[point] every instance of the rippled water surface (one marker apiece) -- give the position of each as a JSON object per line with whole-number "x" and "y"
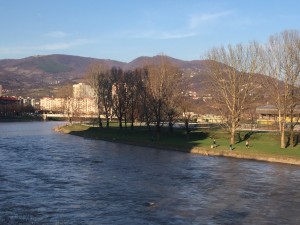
{"x": 52, "y": 178}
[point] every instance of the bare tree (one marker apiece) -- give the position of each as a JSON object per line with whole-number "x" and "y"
{"x": 76, "y": 105}
{"x": 66, "y": 92}
{"x": 186, "y": 106}
{"x": 293, "y": 113}
{"x": 282, "y": 57}
{"x": 232, "y": 70}
{"x": 134, "y": 89}
{"x": 173, "y": 94}
{"x": 161, "y": 86}
{"x": 145, "y": 112}
{"x": 105, "y": 81}
{"x": 119, "y": 94}
{"x": 96, "y": 77}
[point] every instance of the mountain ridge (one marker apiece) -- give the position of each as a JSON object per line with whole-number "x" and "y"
{"x": 49, "y": 71}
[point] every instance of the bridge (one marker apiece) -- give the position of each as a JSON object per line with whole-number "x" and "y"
{"x": 61, "y": 115}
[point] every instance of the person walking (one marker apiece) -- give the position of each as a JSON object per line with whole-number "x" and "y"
{"x": 214, "y": 143}
{"x": 247, "y": 144}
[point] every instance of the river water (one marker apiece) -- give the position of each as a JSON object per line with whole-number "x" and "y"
{"x": 52, "y": 178}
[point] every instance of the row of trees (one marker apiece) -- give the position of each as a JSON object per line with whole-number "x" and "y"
{"x": 233, "y": 73}
{"x": 149, "y": 94}
{"x": 153, "y": 93}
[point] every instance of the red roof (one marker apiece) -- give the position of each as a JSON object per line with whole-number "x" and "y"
{"x": 9, "y": 98}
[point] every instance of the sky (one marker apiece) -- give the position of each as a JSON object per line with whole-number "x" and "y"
{"x": 126, "y": 29}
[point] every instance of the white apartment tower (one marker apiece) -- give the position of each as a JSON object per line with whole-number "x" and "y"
{"x": 82, "y": 90}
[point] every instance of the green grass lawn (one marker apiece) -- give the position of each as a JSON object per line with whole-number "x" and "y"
{"x": 261, "y": 143}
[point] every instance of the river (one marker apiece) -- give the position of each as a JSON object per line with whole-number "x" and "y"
{"x": 52, "y": 178}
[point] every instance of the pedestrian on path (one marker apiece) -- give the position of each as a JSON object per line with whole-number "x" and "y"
{"x": 214, "y": 143}
{"x": 247, "y": 144}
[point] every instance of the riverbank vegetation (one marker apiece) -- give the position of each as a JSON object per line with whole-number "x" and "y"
{"x": 262, "y": 145}
{"x": 237, "y": 77}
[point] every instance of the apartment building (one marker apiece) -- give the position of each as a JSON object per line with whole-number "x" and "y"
{"x": 52, "y": 104}
{"x": 82, "y": 90}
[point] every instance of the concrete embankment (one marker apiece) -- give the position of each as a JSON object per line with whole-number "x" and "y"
{"x": 234, "y": 154}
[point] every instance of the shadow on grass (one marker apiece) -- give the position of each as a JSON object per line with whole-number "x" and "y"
{"x": 176, "y": 140}
{"x": 197, "y": 141}
{"x": 246, "y": 135}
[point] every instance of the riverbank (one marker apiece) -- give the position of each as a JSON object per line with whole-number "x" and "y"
{"x": 248, "y": 156}
{"x": 26, "y": 118}
{"x": 264, "y": 146}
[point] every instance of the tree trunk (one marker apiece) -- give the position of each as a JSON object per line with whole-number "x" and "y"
{"x": 100, "y": 121}
{"x": 158, "y": 119}
{"x": 132, "y": 118}
{"x": 292, "y": 129}
{"x": 158, "y": 130}
{"x": 120, "y": 123}
{"x": 171, "y": 127}
{"x": 70, "y": 120}
{"x": 232, "y": 134}
{"x": 187, "y": 129}
{"x": 239, "y": 137}
{"x": 148, "y": 125}
{"x": 132, "y": 123}
{"x": 292, "y": 137}
{"x": 279, "y": 121}
{"x": 281, "y": 129}
{"x": 282, "y": 139}
{"x": 158, "y": 126}
{"x": 125, "y": 120}
{"x": 107, "y": 121}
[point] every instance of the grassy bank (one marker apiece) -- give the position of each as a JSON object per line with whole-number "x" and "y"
{"x": 263, "y": 145}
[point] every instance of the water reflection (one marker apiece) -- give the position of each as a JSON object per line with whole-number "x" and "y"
{"x": 50, "y": 178}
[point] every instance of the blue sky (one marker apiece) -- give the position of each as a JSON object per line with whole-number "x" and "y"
{"x": 125, "y": 29}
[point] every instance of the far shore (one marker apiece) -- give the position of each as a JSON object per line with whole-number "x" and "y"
{"x": 19, "y": 119}
{"x": 286, "y": 156}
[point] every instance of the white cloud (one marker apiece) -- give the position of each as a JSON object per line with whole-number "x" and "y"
{"x": 46, "y": 47}
{"x": 188, "y": 31}
{"x": 62, "y": 45}
{"x": 197, "y": 20}
{"x": 152, "y": 34}
{"x": 56, "y": 34}
{"x": 11, "y": 51}
{"x": 173, "y": 35}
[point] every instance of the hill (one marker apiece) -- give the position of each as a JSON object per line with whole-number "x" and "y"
{"x": 39, "y": 73}
{"x": 38, "y": 76}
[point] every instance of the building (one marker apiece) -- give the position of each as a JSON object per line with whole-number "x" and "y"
{"x": 9, "y": 100}
{"x": 52, "y": 104}
{"x": 82, "y": 90}
{"x": 211, "y": 118}
{"x": 27, "y": 101}
{"x": 85, "y": 106}
{"x": 83, "y": 102}
{"x": 268, "y": 114}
